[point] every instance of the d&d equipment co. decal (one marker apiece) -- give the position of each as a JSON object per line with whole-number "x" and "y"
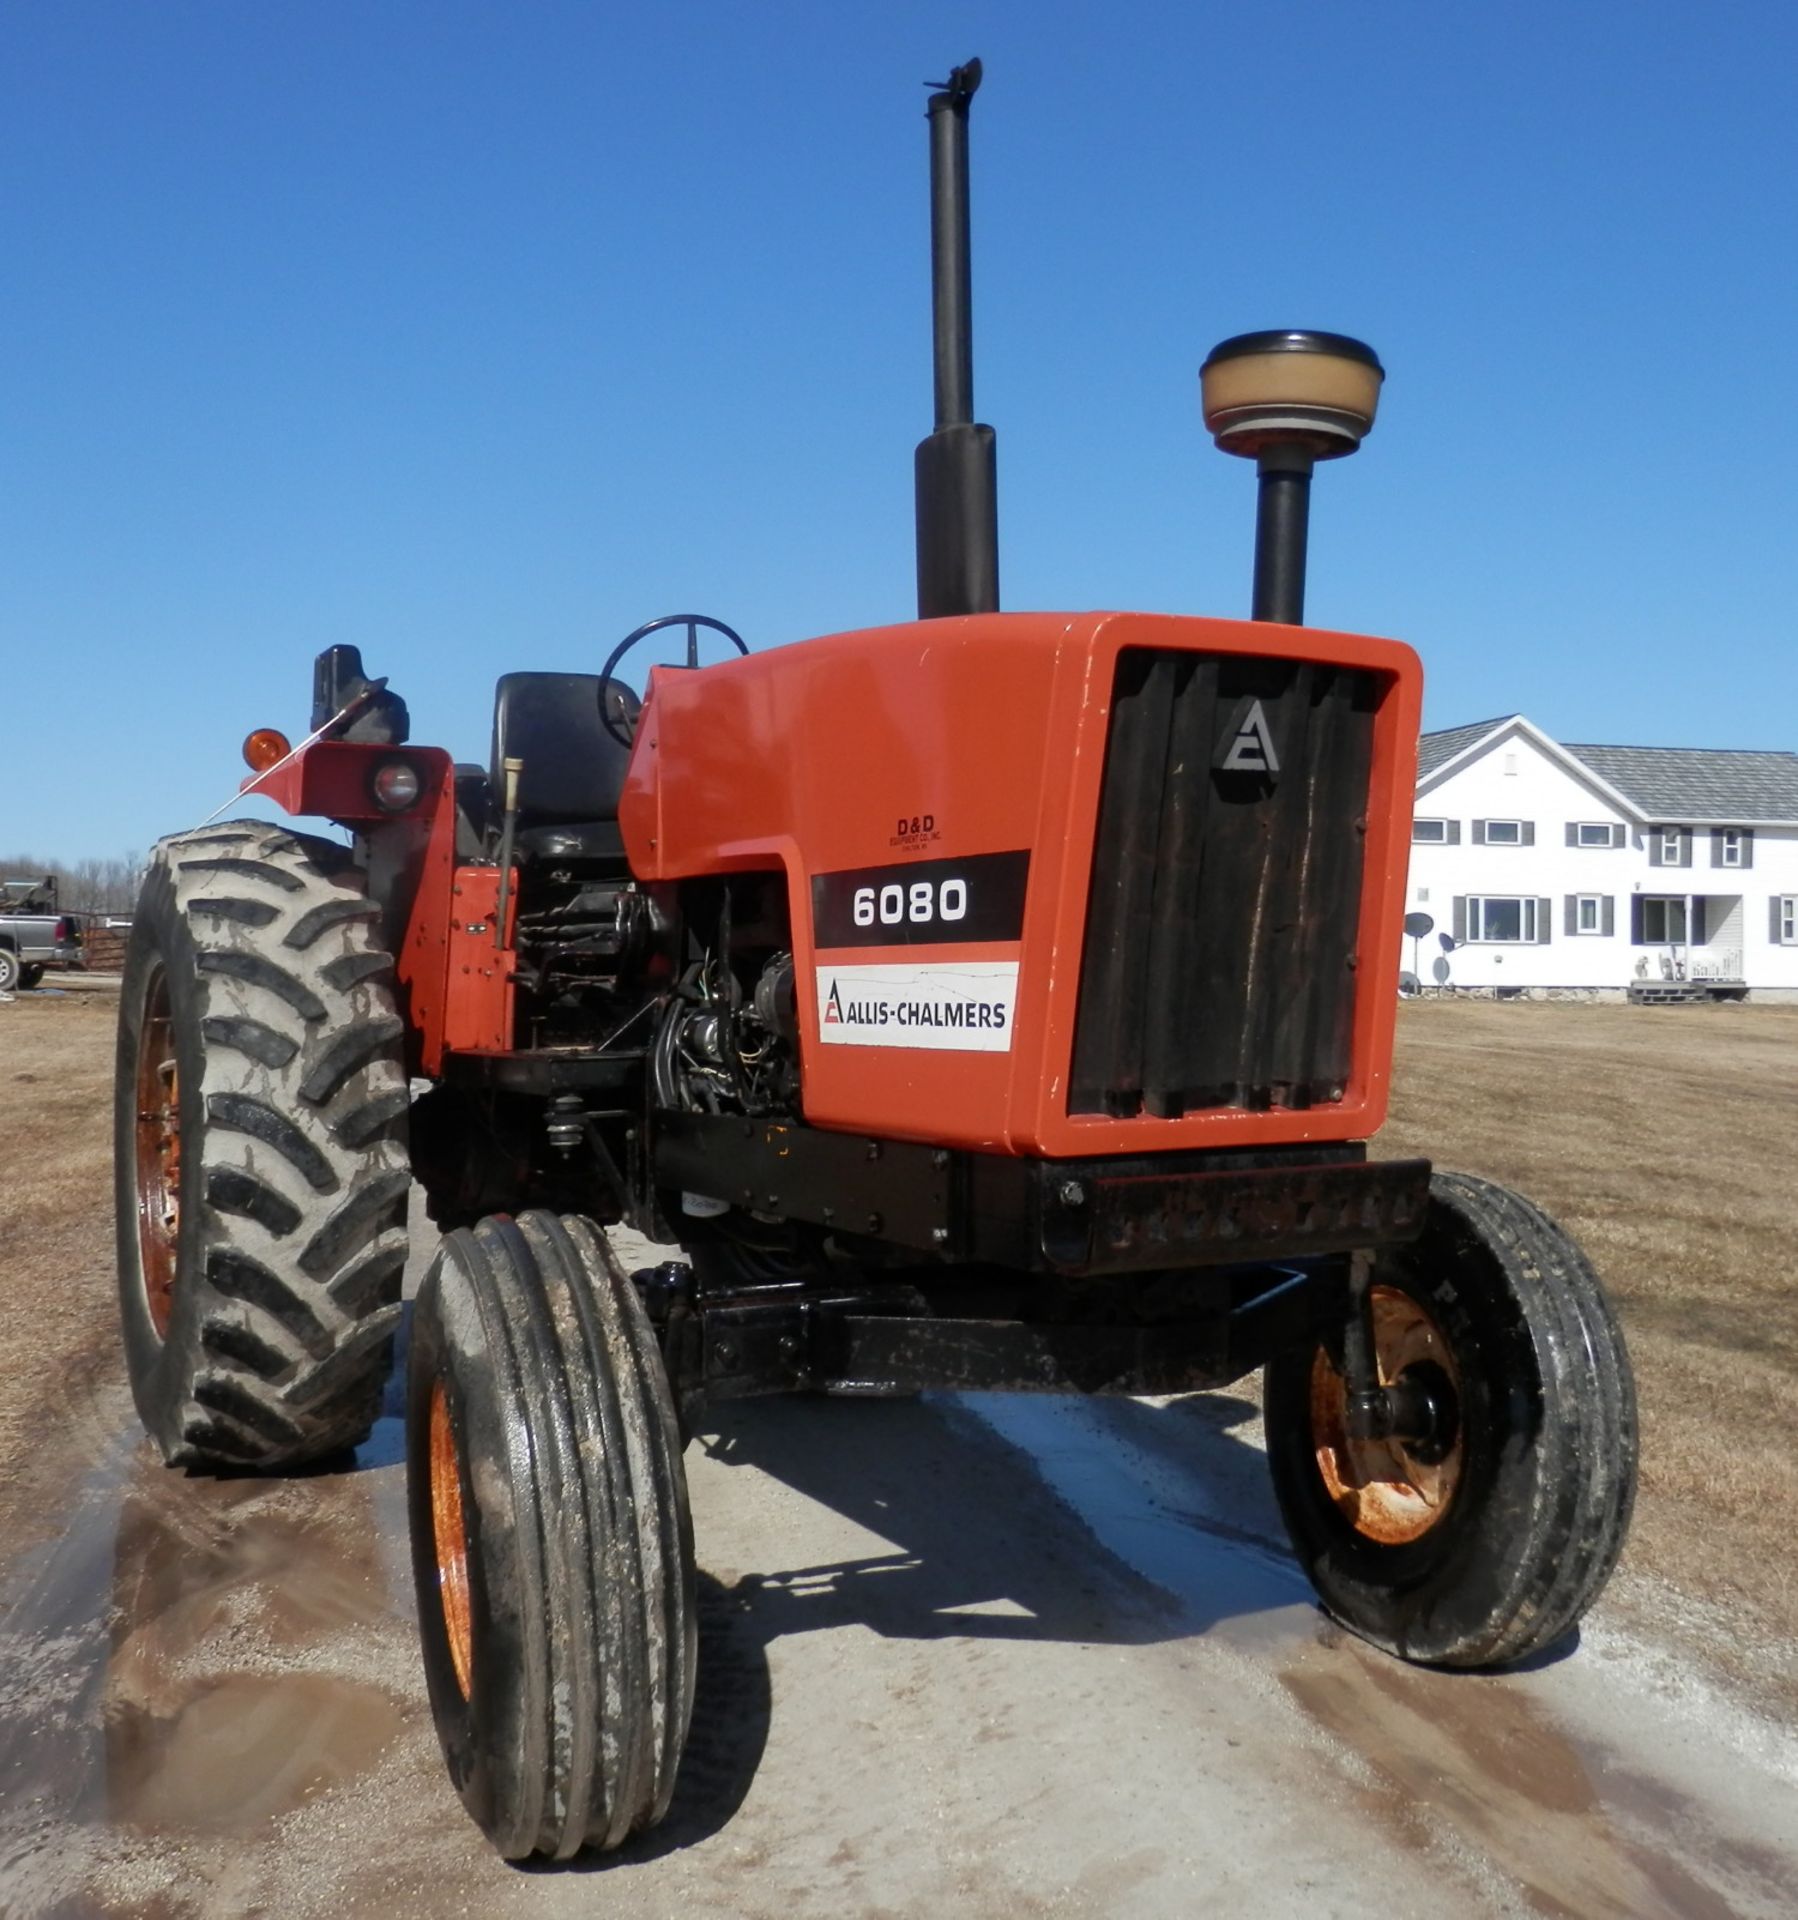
{"x": 947, "y": 1006}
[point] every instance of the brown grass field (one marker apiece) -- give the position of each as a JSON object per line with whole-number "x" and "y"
{"x": 1666, "y": 1140}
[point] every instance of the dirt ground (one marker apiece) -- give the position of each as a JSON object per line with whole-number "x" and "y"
{"x": 1107, "y": 1695}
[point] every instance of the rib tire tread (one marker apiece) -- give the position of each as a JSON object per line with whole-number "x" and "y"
{"x": 582, "y": 1700}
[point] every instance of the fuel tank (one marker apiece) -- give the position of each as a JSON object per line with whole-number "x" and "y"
{"x": 1062, "y": 884}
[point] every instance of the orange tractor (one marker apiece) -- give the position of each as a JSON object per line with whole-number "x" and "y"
{"x": 997, "y": 1000}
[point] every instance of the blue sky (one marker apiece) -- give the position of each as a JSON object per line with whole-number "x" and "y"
{"x": 476, "y": 334}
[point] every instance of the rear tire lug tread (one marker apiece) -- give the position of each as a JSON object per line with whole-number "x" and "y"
{"x": 303, "y": 1198}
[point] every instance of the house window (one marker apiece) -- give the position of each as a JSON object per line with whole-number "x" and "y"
{"x": 1673, "y": 846}
{"x": 1429, "y": 833}
{"x": 1594, "y": 834}
{"x": 1663, "y": 923}
{"x": 1587, "y": 911}
{"x": 1785, "y": 919}
{"x": 1494, "y": 922}
{"x": 1504, "y": 833}
{"x": 1731, "y": 843}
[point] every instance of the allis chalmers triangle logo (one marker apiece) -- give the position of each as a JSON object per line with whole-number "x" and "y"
{"x": 1251, "y": 746}
{"x": 833, "y": 1007}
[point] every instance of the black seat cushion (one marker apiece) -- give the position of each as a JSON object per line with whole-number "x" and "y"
{"x": 573, "y": 766}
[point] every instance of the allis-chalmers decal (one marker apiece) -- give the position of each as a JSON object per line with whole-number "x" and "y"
{"x": 948, "y": 1006}
{"x": 924, "y": 903}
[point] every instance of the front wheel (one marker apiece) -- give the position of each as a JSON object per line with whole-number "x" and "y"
{"x": 1486, "y": 1532}
{"x": 551, "y": 1543}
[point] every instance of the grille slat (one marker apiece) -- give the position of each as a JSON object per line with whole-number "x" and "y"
{"x": 1221, "y": 923}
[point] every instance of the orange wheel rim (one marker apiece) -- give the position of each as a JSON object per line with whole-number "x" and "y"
{"x": 158, "y": 1153}
{"x": 451, "y": 1539}
{"x": 1383, "y": 1488}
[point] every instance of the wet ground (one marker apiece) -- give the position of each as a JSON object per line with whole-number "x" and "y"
{"x": 958, "y": 1656}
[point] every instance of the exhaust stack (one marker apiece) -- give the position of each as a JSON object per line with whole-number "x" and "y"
{"x": 956, "y": 467}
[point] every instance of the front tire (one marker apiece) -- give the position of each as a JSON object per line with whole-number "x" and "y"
{"x": 551, "y": 1542}
{"x": 1488, "y": 1539}
{"x": 9, "y": 970}
{"x": 260, "y": 1168}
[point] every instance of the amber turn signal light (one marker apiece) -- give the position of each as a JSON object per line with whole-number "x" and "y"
{"x": 265, "y": 748}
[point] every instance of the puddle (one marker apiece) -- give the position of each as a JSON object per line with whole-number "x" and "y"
{"x": 191, "y": 1657}
{"x": 240, "y": 1749}
{"x": 1476, "y": 1756}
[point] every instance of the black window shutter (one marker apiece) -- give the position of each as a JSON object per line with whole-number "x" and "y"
{"x": 1607, "y": 913}
{"x": 1573, "y": 833}
{"x": 1454, "y": 833}
{"x": 1570, "y": 916}
{"x": 1747, "y": 846}
{"x": 1656, "y": 847}
{"x": 1617, "y": 834}
{"x": 1685, "y": 846}
{"x": 1479, "y": 833}
{"x": 1635, "y": 921}
{"x": 1716, "y": 846}
{"x": 1544, "y": 922}
{"x": 1695, "y": 932}
{"x": 1529, "y": 833}
{"x": 1773, "y": 928}
{"x": 1461, "y": 917}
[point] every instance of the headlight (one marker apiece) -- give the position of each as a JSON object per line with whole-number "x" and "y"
{"x": 396, "y": 786}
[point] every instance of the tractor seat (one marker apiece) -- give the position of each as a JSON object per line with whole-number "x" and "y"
{"x": 573, "y": 766}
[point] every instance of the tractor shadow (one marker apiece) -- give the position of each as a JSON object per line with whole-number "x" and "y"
{"x": 966, "y": 1541}
{"x": 1105, "y": 1522}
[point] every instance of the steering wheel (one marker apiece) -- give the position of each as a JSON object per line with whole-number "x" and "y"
{"x": 692, "y": 622}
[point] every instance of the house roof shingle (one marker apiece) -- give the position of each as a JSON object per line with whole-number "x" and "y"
{"x": 1663, "y": 783}
{"x": 1699, "y": 783}
{"x": 1436, "y": 749}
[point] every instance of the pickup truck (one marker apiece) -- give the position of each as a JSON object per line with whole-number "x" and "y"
{"x": 34, "y": 934}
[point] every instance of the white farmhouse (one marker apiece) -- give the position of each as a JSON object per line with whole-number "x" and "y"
{"x": 1660, "y": 870}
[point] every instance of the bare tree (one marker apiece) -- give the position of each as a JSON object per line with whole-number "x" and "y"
{"x": 91, "y": 886}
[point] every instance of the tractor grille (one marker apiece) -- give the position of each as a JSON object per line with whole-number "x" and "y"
{"x": 1218, "y": 967}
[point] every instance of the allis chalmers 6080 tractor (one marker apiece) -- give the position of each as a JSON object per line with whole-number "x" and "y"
{"x": 996, "y": 1000}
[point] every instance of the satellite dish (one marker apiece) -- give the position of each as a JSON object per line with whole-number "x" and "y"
{"x": 1448, "y": 942}
{"x": 1418, "y": 924}
{"x": 1407, "y": 983}
{"x": 1440, "y": 970}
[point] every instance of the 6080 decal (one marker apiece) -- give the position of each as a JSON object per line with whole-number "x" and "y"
{"x": 922, "y": 903}
{"x": 918, "y": 904}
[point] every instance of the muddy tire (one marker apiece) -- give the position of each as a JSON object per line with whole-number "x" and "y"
{"x": 1486, "y": 1540}
{"x": 260, "y": 1168}
{"x": 551, "y": 1541}
{"x": 30, "y": 974}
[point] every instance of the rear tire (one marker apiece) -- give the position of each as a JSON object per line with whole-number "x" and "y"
{"x": 1490, "y": 1542}
{"x": 551, "y": 1542}
{"x": 30, "y": 974}
{"x": 260, "y": 1168}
